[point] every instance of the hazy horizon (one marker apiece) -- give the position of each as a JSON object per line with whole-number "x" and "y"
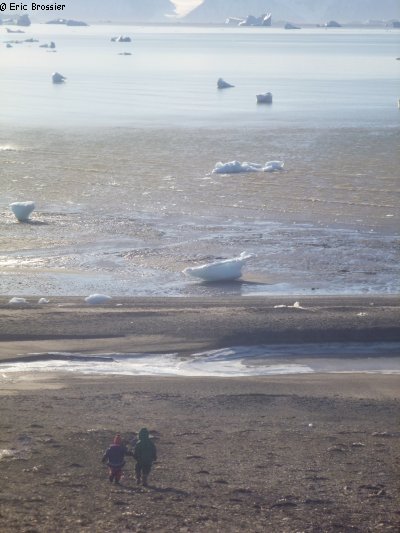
{"x": 217, "y": 11}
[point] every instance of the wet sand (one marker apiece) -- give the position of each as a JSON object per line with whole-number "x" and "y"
{"x": 314, "y": 453}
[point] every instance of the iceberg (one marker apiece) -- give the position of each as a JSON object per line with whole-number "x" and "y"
{"x": 51, "y": 45}
{"x": 121, "y": 39}
{"x": 71, "y": 22}
{"x": 290, "y": 26}
{"x": 222, "y": 84}
{"x": 23, "y": 20}
{"x": 271, "y": 166}
{"x": 22, "y": 210}
{"x": 235, "y": 167}
{"x": 58, "y": 78}
{"x": 225, "y": 270}
{"x": 332, "y": 24}
{"x": 95, "y": 299}
{"x": 265, "y": 98}
{"x": 262, "y": 20}
{"x": 18, "y": 301}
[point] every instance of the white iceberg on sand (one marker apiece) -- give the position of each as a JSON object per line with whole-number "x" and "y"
{"x": 235, "y": 167}
{"x": 18, "y": 301}
{"x": 22, "y": 210}
{"x": 265, "y": 98}
{"x": 95, "y": 299}
{"x": 225, "y": 270}
{"x": 56, "y": 77}
{"x": 222, "y": 84}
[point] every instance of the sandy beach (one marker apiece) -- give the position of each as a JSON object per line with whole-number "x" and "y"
{"x": 314, "y": 453}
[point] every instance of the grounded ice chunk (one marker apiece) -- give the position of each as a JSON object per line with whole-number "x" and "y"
{"x": 22, "y": 210}
{"x": 234, "y": 167}
{"x": 228, "y": 269}
{"x": 94, "y": 299}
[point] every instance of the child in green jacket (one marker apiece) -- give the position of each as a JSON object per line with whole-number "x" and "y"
{"x": 145, "y": 454}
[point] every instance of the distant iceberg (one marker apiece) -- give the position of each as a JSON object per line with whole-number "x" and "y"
{"x": 23, "y": 20}
{"x": 71, "y": 22}
{"x": 289, "y": 26}
{"x": 265, "y": 98}
{"x": 225, "y": 270}
{"x": 22, "y": 210}
{"x": 121, "y": 39}
{"x": 51, "y": 45}
{"x": 58, "y": 78}
{"x": 222, "y": 84}
{"x": 251, "y": 20}
{"x": 235, "y": 167}
{"x": 67, "y": 22}
{"x": 333, "y": 24}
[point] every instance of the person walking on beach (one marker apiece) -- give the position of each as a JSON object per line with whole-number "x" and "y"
{"x": 115, "y": 457}
{"x": 145, "y": 454}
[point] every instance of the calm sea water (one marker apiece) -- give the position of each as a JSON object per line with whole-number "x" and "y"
{"x": 118, "y": 160}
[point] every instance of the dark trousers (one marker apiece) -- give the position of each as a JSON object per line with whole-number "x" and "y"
{"x": 142, "y": 470}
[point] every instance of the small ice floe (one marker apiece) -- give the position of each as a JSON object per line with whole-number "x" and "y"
{"x": 121, "y": 39}
{"x": 8, "y": 45}
{"x": 43, "y": 301}
{"x": 271, "y": 166}
{"x": 222, "y": 84}
{"x": 296, "y": 305}
{"x": 56, "y": 77}
{"x": 234, "y": 167}
{"x": 265, "y": 98}
{"x": 95, "y": 299}
{"x": 18, "y": 301}
{"x": 8, "y": 30}
{"x": 225, "y": 270}
{"x": 22, "y": 210}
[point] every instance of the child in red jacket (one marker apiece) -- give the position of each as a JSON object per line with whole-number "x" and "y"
{"x": 115, "y": 457}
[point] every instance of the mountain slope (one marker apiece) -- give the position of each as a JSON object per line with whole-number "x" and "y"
{"x": 317, "y": 11}
{"x": 117, "y": 10}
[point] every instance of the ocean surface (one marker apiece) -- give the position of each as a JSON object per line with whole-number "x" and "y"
{"x": 119, "y": 160}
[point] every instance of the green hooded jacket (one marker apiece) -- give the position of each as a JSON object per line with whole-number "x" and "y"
{"x": 145, "y": 450}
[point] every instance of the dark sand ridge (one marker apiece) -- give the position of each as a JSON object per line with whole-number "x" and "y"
{"x": 186, "y": 325}
{"x": 314, "y": 453}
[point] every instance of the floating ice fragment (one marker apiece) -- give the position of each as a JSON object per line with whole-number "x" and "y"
{"x": 265, "y": 98}
{"x": 43, "y": 301}
{"x": 18, "y": 301}
{"x": 222, "y": 84}
{"x": 290, "y": 26}
{"x": 58, "y": 78}
{"x": 225, "y": 270}
{"x": 94, "y": 299}
{"x": 235, "y": 167}
{"x": 121, "y": 39}
{"x": 271, "y": 166}
{"x": 22, "y": 210}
